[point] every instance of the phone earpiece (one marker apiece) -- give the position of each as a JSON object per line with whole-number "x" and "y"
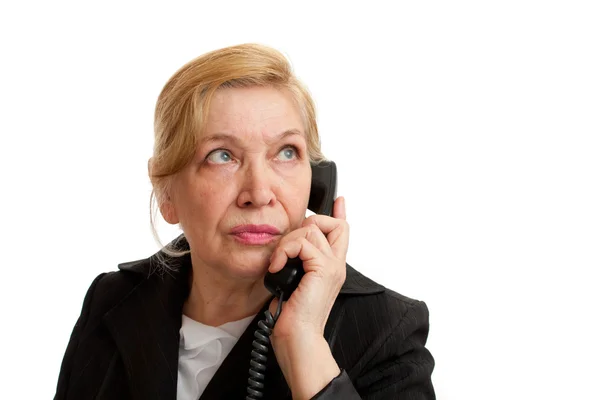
{"x": 323, "y": 189}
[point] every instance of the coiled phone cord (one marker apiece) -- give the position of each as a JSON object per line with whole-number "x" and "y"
{"x": 258, "y": 363}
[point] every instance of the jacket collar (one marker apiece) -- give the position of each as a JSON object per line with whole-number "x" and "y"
{"x": 146, "y": 323}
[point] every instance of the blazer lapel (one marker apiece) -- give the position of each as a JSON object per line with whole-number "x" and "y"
{"x": 145, "y": 327}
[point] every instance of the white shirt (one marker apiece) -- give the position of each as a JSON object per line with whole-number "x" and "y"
{"x": 202, "y": 349}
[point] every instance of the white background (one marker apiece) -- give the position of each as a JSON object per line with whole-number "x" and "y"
{"x": 466, "y": 135}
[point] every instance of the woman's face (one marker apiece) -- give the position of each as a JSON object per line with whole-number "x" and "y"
{"x": 251, "y": 167}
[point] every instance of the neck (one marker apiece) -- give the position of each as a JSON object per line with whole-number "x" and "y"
{"x": 216, "y": 299}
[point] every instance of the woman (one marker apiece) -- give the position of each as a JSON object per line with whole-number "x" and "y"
{"x": 235, "y": 136}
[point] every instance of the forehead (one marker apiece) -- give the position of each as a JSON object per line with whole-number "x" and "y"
{"x": 264, "y": 111}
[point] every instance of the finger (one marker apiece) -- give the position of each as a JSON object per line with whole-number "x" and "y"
{"x": 300, "y": 247}
{"x": 336, "y": 230}
{"x": 339, "y": 208}
{"x": 310, "y": 232}
{"x": 325, "y": 223}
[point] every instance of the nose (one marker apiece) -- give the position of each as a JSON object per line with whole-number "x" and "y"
{"x": 257, "y": 186}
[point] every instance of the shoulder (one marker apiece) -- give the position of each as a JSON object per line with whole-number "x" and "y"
{"x": 142, "y": 277}
{"x": 384, "y": 312}
{"x": 376, "y": 320}
{"x": 108, "y": 289}
{"x": 359, "y": 289}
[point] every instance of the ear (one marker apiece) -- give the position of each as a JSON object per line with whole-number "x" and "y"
{"x": 168, "y": 211}
{"x": 165, "y": 204}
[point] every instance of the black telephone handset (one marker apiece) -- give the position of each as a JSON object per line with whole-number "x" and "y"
{"x": 282, "y": 284}
{"x": 323, "y": 191}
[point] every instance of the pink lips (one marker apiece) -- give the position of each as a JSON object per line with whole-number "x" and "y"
{"x": 255, "y": 234}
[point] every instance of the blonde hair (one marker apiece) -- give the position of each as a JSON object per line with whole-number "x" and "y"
{"x": 183, "y": 104}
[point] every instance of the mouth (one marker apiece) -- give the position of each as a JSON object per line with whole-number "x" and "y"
{"x": 255, "y": 234}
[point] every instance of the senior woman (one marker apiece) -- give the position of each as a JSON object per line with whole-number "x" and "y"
{"x": 235, "y": 137}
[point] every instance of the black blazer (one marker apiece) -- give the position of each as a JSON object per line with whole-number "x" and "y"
{"x": 125, "y": 344}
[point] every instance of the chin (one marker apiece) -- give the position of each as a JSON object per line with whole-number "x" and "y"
{"x": 253, "y": 265}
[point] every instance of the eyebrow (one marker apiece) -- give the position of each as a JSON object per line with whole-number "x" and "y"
{"x": 237, "y": 141}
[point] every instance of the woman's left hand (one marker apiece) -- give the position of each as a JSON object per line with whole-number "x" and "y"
{"x": 322, "y": 244}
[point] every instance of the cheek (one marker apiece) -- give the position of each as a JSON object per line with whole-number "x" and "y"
{"x": 297, "y": 199}
{"x": 202, "y": 204}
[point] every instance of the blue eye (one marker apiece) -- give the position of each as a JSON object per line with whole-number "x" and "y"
{"x": 289, "y": 153}
{"x": 219, "y": 156}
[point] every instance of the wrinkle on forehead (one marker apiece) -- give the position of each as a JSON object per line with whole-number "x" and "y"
{"x": 253, "y": 114}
